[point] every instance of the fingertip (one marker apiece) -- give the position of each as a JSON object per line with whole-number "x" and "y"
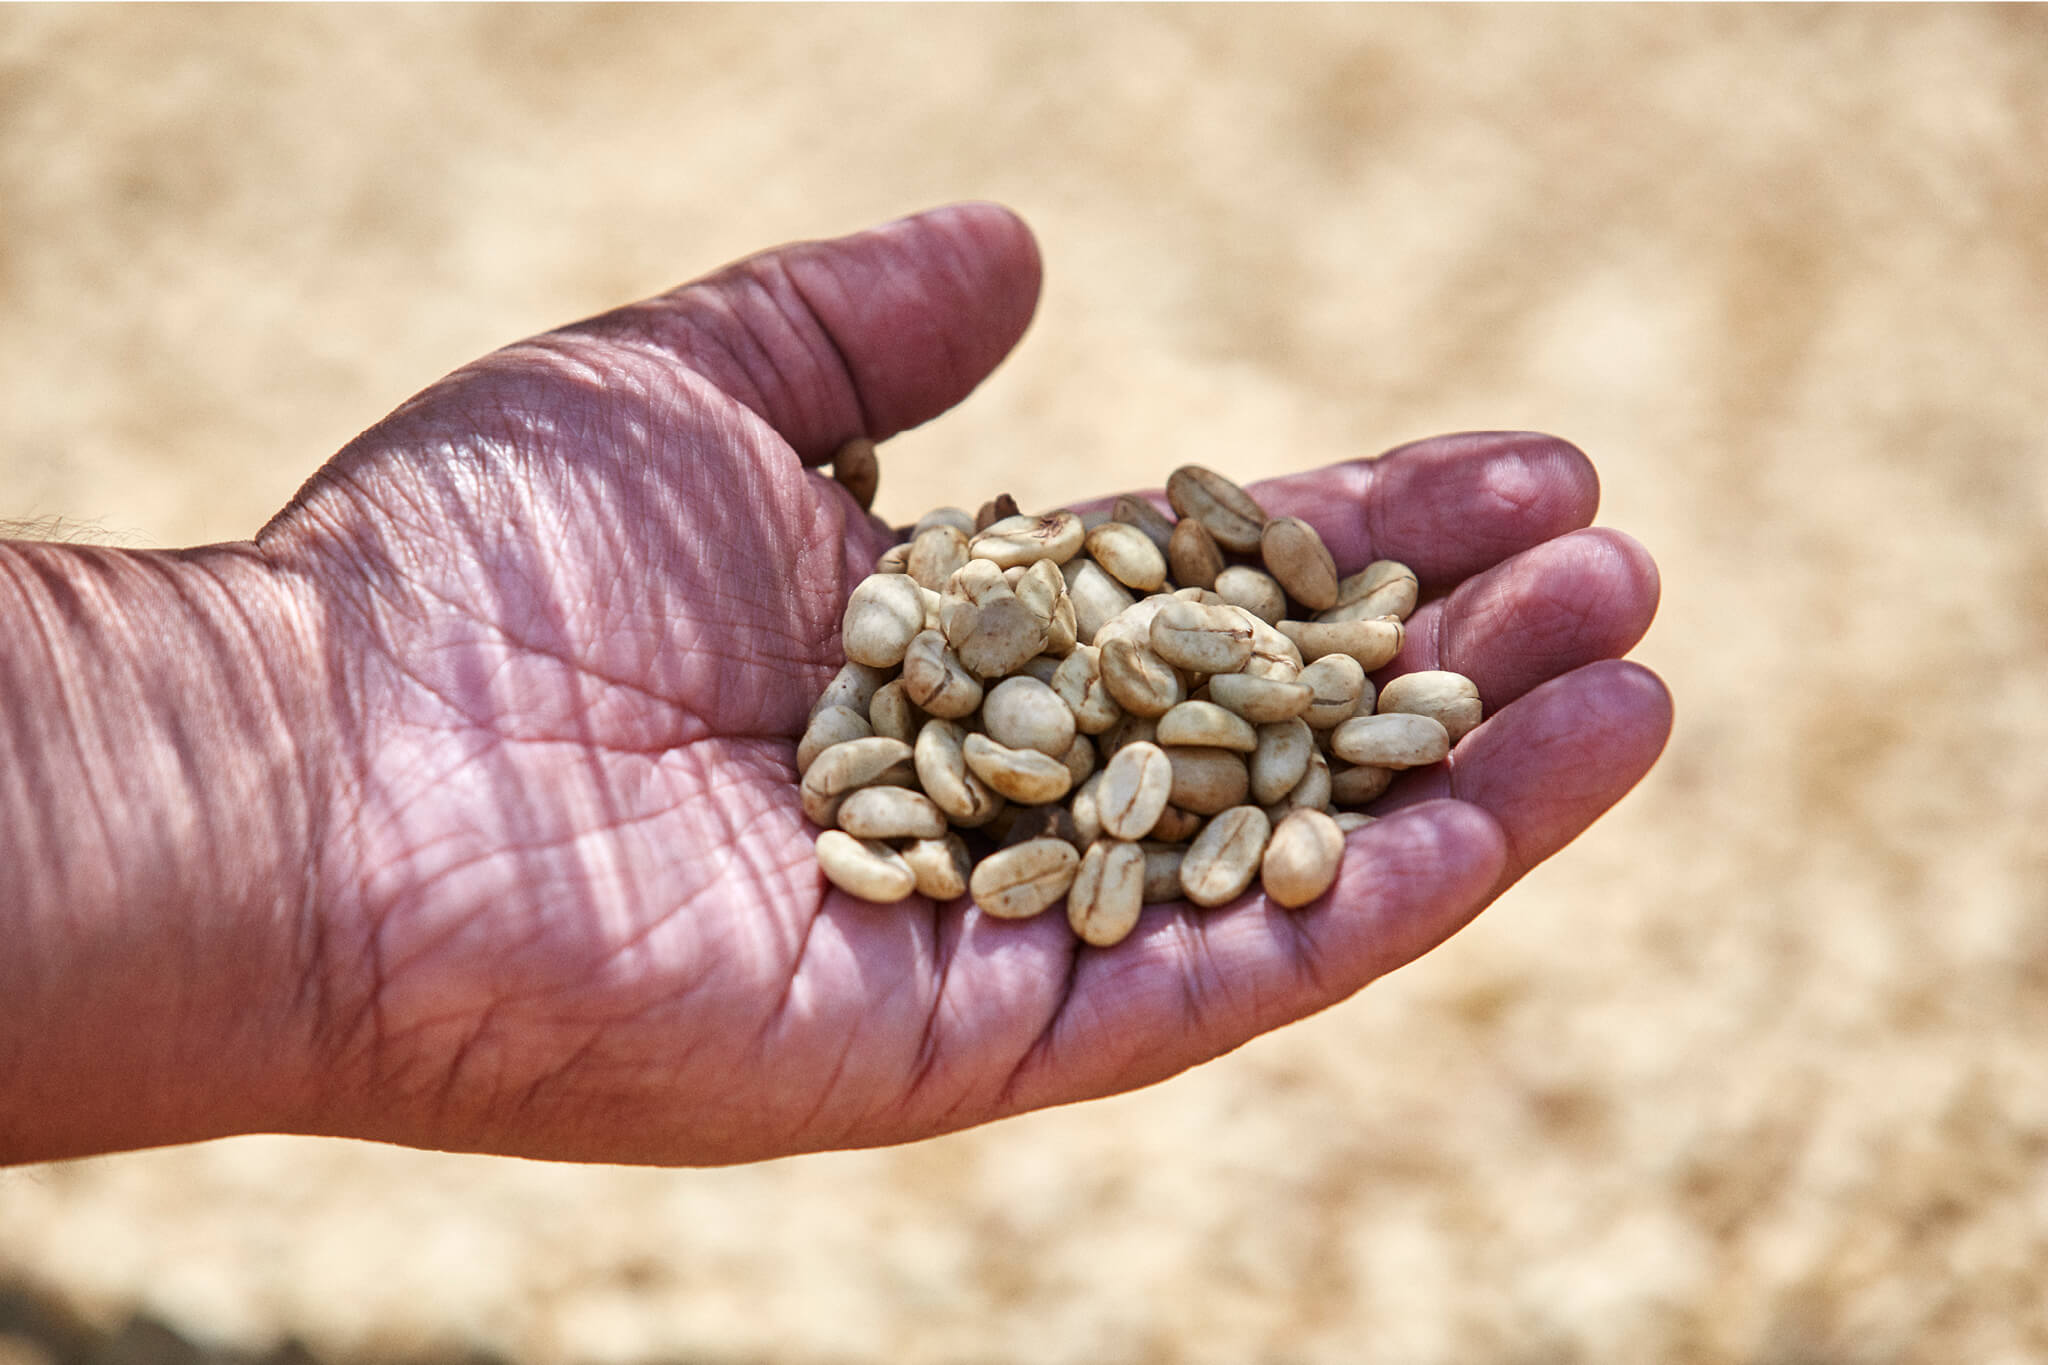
{"x": 1448, "y": 506}
{"x": 867, "y": 334}
{"x": 1472, "y": 500}
{"x": 1552, "y": 762}
{"x": 995, "y": 232}
{"x": 1519, "y": 466}
{"x": 1624, "y": 688}
{"x": 1633, "y": 563}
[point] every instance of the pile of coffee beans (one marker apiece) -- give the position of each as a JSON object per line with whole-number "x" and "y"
{"x": 1118, "y": 710}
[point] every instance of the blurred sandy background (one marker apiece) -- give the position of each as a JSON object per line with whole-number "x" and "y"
{"x": 1755, "y": 1072}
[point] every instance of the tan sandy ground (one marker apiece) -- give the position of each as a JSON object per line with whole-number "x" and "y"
{"x": 1756, "y": 1072}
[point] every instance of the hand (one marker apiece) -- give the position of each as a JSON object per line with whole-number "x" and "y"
{"x": 568, "y": 609}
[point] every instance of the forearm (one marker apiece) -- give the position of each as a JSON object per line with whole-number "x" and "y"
{"x": 157, "y": 812}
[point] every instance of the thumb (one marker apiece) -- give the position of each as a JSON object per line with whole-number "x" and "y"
{"x": 862, "y": 335}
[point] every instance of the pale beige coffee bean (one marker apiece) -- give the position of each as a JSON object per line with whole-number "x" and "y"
{"x": 1450, "y": 699}
{"x": 864, "y": 868}
{"x": 1262, "y": 701}
{"x": 1008, "y": 634}
{"x": 940, "y": 866}
{"x": 1373, "y": 643}
{"x": 1348, "y": 820}
{"x": 969, "y": 584}
{"x": 1357, "y": 611}
{"x": 1384, "y": 587}
{"x": 1041, "y": 588}
{"x": 833, "y": 725}
{"x": 1206, "y": 781}
{"x": 1020, "y": 881}
{"x": 1202, "y": 639}
{"x": 1257, "y": 591}
{"x": 1231, "y": 515}
{"x": 895, "y": 559}
{"x": 1396, "y": 740}
{"x": 1078, "y": 682}
{"x": 936, "y": 554}
{"x": 1354, "y": 784}
{"x": 1044, "y": 667}
{"x": 1136, "y": 785}
{"x": 1056, "y": 535}
{"x": 1177, "y": 826}
{"x": 1128, "y": 730}
{"x": 1128, "y": 555}
{"x": 1080, "y": 758}
{"x": 1022, "y": 775}
{"x": 1138, "y": 512}
{"x": 1302, "y": 859}
{"x": 1108, "y": 892}
{"x": 1097, "y": 597}
{"x": 942, "y": 771}
{"x": 1001, "y": 507}
{"x": 883, "y": 615}
{"x": 1064, "y": 633}
{"x": 893, "y": 714}
{"x": 1205, "y": 724}
{"x": 1134, "y": 623}
{"x": 848, "y": 767}
{"x": 1139, "y": 680}
{"x": 853, "y": 687}
{"x": 1224, "y": 857}
{"x": 890, "y": 813}
{"x": 960, "y": 599}
{"x": 1023, "y": 713}
{"x": 934, "y": 608}
{"x": 1162, "y": 871}
{"x": 959, "y": 518}
{"x": 1086, "y": 812}
{"x": 936, "y": 680}
{"x": 1193, "y": 555}
{"x": 854, "y": 763}
{"x": 1340, "y": 690}
{"x": 991, "y": 630}
{"x": 1281, "y": 759}
{"x": 1294, "y": 553}
{"x": 1273, "y": 654}
{"x": 1311, "y": 793}
{"x": 858, "y": 471}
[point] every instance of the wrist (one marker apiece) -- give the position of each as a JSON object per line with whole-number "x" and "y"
{"x": 161, "y": 788}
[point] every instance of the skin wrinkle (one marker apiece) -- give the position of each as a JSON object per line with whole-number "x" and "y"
{"x": 747, "y": 354}
{"x": 1306, "y": 957}
{"x": 616, "y": 950}
{"x": 1570, "y": 601}
{"x": 782, "y": 297}
{"x": 61, "y": 599}
{"x": 848, "y": 1039}
{"x": 864, "y": 422}
{"x": 1047, "y": 1040}
{"x": 944, "y": 946}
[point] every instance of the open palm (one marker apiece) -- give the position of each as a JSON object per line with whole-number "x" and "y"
{"x": 576, "y": 600}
